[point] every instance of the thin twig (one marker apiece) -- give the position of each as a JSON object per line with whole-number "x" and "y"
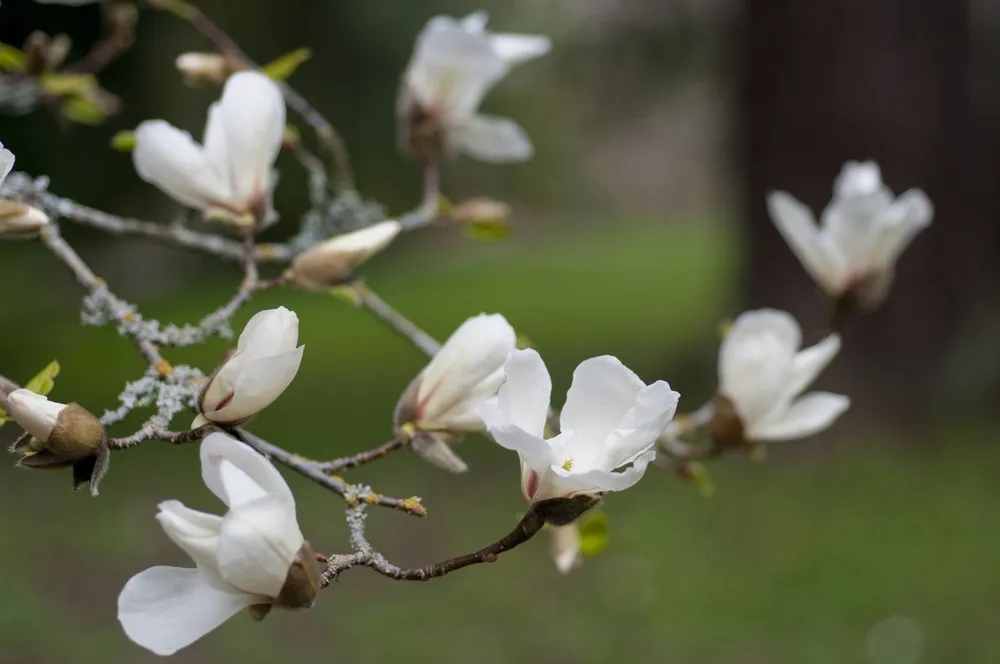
{"x": 172, "y": 437}
{"x": 119, "y": 38}
{"x": 325, "y": 133}
{"x": 353, "y": 494}
{"x": 361, "y": 458}
{"x": 20, "y": 184}
{"x": 85, "y": 276}
{"x": 528, "y": 527}
{"x": 397, "y": 321}
{"x": 430, "y": 206}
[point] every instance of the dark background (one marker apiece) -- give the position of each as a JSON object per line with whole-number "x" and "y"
{"x": 640, "y": 225}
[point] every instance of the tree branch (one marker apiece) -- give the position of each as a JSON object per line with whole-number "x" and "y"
{"x": 172, "y": 437}
{"x": 85, "y": 276}
{"x": 366, "y": 555}
{"x": 368, "y": 456}
{"x": 397, "y": 321}
{"x": 352, "y": 493}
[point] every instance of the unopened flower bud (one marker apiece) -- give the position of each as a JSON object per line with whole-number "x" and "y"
{"x": 20, "y": 220}
{"x": 333, "y": 261}
{"x": 59, "y": 435}
{"x": 204, "y": 68}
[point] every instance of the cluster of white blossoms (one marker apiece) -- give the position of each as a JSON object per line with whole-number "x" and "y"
{"x": 603, "y": 439}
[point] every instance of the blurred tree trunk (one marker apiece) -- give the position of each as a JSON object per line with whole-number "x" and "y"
{"x": 893, "y": 81}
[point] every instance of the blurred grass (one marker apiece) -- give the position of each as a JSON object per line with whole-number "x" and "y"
{"x": 793, "y": 561}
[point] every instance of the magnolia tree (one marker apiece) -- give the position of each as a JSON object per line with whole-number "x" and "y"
{"x": 610, "y": 428}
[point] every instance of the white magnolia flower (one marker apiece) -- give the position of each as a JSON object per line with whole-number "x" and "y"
{"x": 861, "y": 234}
{"x": 447, "y": 396}
{"x": 230, "y": 176}
{"x": 566, "y": 551}
{"x": 263, "y": 366}
{"x": 249, "y": 557}
{"x": 609, "y": 426}
{"x": 334, "y": 260}
{"x": 454, "y": 65}
{"x": 34, "y": 412}
{"x": 762, "y": 372}
{"x": 6, "y": 162}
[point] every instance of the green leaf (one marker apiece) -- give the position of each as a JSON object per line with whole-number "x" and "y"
{"x": 45, "y": 380}
{"x": 699, "y": 475}
{"x": 123, "y": 141}
{"x": 62, "y": 85}
{"x": 12, "y": 59}
{"x": 348, "y": 294}
{"x": 285, "y": 66}
{"x": 593, "y": 533}
{"x": 83, "y": 110}
{"x": 493, "y": 230}
{"x": 4, "y": 417}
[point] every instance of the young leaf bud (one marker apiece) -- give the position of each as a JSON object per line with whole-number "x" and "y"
{"x": 20, "y": 220}
{"x": 333, "y": 261}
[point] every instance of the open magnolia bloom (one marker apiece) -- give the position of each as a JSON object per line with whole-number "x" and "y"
{"x": 762, "y": 372}
{"x": 58, "y": 435}
{"x": 17, "y": 219}
{"x": 454, "y": 65}
{"x": 445, "y": 399}
{"x": 852, "y": 253}
{"x": 332, "y": 261}
{"x": 609, "y": 426}
{"x": 266, "y": 360}
{"x": 229, "y": 177}
{"x": 253, "y": 557}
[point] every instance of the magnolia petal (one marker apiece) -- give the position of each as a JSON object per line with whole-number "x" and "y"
{"x": 169, "y": 158}
{"x": 566, "y": 552}
{"x": 34, "y": 412}
{"x": 524, "y": 398}
{"x": 260, "y": 382}
{"x": 567, "y": 483}
{"x": 257, "y": 544}
{"x": 809, "y": 415}
{"x": 857, "y": 179}
{"x": 164, "y": 609}
{"x": 433, "y": 449}
{"x": 911, "y": 213}
{"x": 6, "y": 162}
{"x": 466, "y": 416}
{"x": 476, "y": 21}
{"x": 252, "y": 112}
{"x": 602, "y": 392}
{"x": 491, "y": 139}
{"x": 471, "y": 355}
{"x": 197, "y": 533}
{"x": 452, "y": 68}
{"x": 797, "y": 226}
{"x": 535, "y": 451}
{"x": 269, "y": 332}
{"x": 237, "y": 473}
{"x": 808, "y": 364}
{"x": 654, "y": 407}
{"x": 755, "y": 361}
{"x": 516, "y": 49}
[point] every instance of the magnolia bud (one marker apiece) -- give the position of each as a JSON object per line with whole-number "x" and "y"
{"x": 77, "y": 434}
{"x": 58, "y": 436}
{"x": 20, "y": 220}
{"x": 333, "y": 261}
{"x": 726, "y": 426}
{"x": 564, "y": 511}
{"x": 205, "y": 68}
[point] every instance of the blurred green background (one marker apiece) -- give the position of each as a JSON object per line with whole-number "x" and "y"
{"x": 638, "y": 231}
